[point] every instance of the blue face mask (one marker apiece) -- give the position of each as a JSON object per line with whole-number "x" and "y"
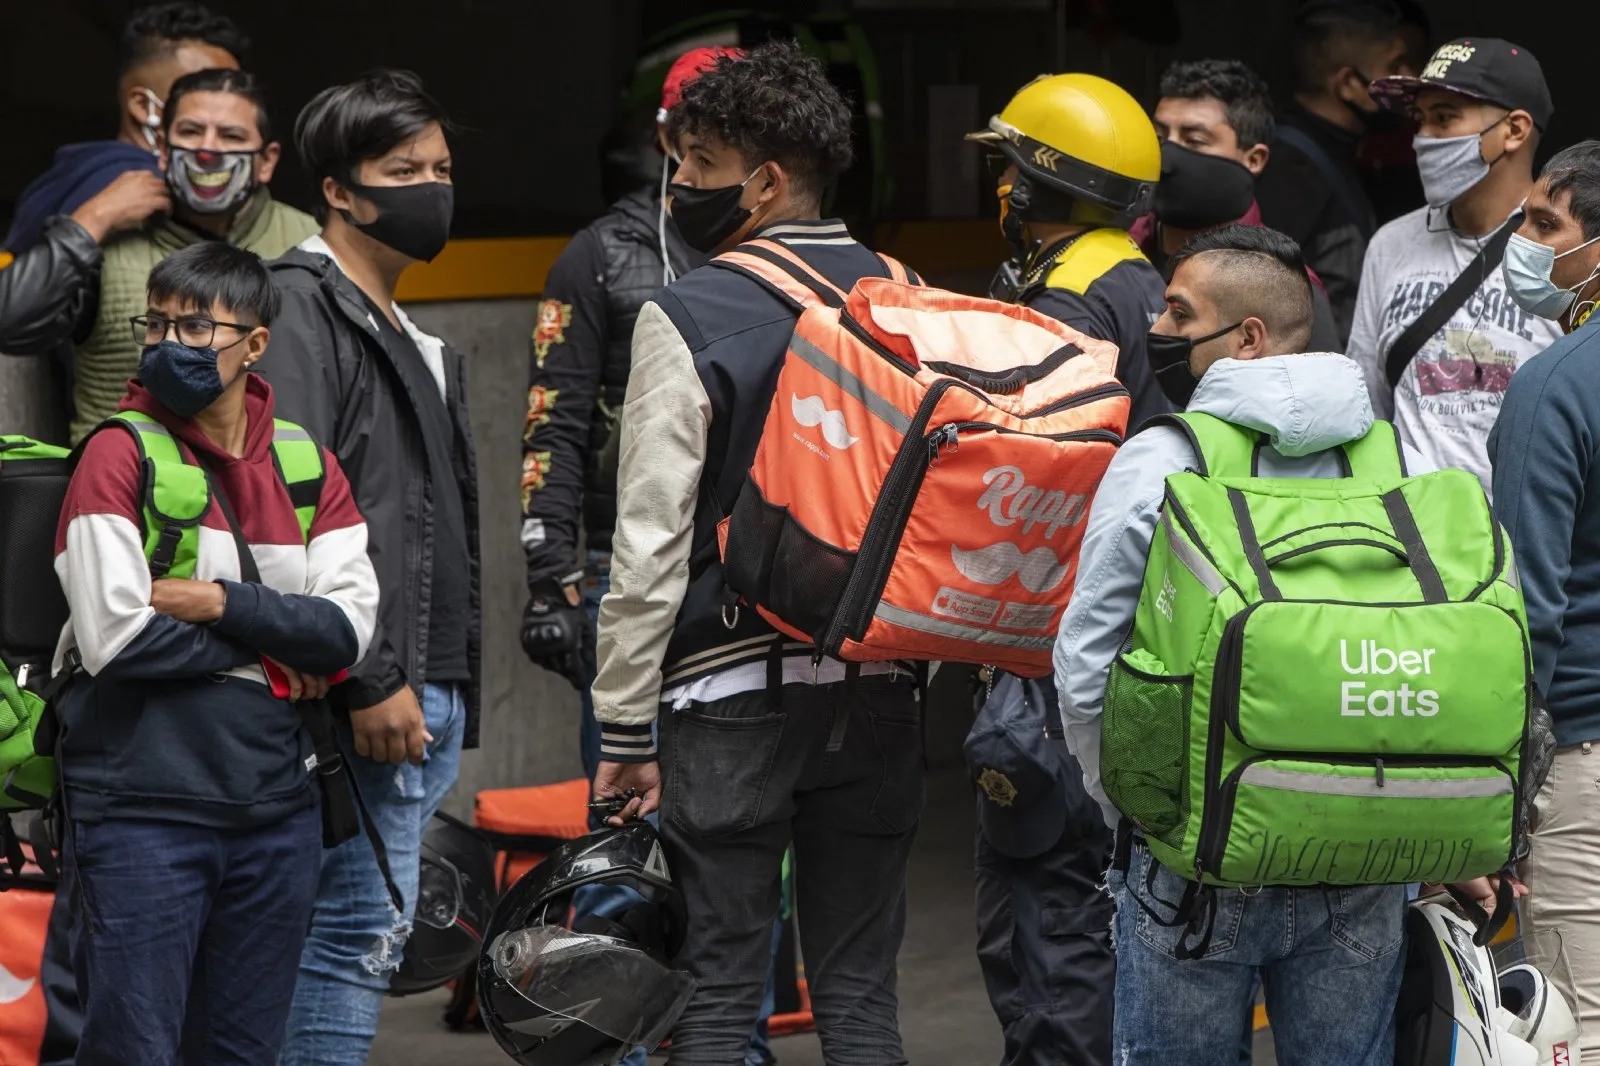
{"x": 185, "y": 380}
{"x": 1526, "y": 270}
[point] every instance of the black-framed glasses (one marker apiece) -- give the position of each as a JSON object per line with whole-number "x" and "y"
{"x": 195, "y": 331}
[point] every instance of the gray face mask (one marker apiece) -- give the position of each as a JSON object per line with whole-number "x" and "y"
{"x": 1451, "y": 165}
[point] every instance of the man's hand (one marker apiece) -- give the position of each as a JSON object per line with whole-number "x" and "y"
{"x": 1484, "y": 890}
{"x": 557, "y": 633}
{"x": 615, "y": 778}
{"x": 392, "y": 731}
{"x": 188, "y": 600}
{"x": 130, "y": 199}
{"x": 302, "y": 686}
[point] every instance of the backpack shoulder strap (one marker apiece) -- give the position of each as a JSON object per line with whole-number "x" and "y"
{"x": 782, "y": 271}
{"x": 297, "y": 457}
{"x": 175, "y": 494}
{"x": 1224, "y": 449}
{"x": 1376, "y": 455}
{"x": 898, "y": 271}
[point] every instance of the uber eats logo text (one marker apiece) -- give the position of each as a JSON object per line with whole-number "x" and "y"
{"x": 1368, "y": 658}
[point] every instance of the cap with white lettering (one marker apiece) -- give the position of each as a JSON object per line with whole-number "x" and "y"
{"x": 1485, "y": 68}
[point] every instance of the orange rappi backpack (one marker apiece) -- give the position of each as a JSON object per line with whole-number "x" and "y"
{"x": 922, "y": 482}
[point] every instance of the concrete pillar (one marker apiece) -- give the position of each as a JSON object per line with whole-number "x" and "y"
{"x": 529, "y": 732}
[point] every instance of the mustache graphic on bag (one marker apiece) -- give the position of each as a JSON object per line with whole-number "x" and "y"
{"x": 1039, "y": 570}
{"x": 811, "y": 411}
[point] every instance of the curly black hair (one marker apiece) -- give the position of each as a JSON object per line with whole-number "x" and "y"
{"x": 772, "y": 103}
{"x": 155, "y": 31}
{"x": 1240, "y": 91}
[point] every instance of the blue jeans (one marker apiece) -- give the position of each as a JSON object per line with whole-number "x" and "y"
{"x": 189, "y": 937}
{"x": 1330, "y": 961}
{"x": 357, "y": 938}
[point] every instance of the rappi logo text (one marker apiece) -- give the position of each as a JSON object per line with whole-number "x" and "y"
{"x": 1009, "y": 499}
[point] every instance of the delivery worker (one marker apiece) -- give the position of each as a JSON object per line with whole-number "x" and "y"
{"x": 1077, "y": 161}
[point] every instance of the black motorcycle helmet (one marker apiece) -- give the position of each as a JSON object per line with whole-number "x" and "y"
{"x": 455, "y": 899}
{"x": 556, "y": 991}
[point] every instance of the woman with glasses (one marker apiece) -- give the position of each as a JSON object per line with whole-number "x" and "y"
{"x": 216, "y": 569}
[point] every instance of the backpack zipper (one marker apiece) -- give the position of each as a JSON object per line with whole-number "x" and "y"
{"x": 1213, "y": 852}
{"x": 1099, "y": 392}
{"x": 918, "y": 450}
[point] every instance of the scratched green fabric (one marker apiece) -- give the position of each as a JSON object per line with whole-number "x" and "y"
{"x": 1328, "y": 680}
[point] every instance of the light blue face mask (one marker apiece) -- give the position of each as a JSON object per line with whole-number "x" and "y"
{"x": 1526, "y": 270}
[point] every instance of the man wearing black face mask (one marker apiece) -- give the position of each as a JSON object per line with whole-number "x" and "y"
{"x": 1310, "y": 188}
{"x": 390, "y": 400}
{"x": 218, "y": 155}
{"x": 761, "y": 744}
{"x": 1215, "y": 122}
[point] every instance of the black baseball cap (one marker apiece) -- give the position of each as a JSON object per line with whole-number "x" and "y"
{"x": 1486, "y": 68}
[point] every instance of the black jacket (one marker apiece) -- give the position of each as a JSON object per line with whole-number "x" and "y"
{"x": 1323, "y": 206}
{"x": 48, "y": 295}
{"x": 330, "y": 373}
{"x": 578, "y": 360}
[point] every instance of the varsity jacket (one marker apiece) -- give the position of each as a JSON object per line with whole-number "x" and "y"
{"x": 578, "y": 362}
{"x": 174, "y": 720}
{"x": 706, "y": 355}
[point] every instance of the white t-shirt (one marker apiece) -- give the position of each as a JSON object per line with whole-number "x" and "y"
{"x": 1448, "y": 398}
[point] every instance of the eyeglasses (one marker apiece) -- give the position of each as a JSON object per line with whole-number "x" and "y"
{"x": 195, "y": 331}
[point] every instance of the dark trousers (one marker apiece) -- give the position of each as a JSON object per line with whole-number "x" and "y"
{"x": 1044, "y": 942}
{"x": 190, "y": 937}
{"x": 836, "y": 770}
{"x": 63, "y": 1012}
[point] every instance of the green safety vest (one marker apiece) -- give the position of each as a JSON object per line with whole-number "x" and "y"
{"x": 1329, "y": 681}
{"x": 176, "y": 497}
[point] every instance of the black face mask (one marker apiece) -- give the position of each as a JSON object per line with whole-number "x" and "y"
{"x": 414, "y": 220}
{"x": 1382, "y": 120}
{"x": 707, "y": 217}
{"x": 1198, "y": 191}
{"x": 1169, "y": 359}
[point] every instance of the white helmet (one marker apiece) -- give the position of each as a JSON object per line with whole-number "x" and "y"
{"x": 1449, "y": 996}
{"x": 1534, "y": 1011}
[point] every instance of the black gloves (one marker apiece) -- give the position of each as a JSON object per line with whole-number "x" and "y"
{"x": 557, "y": 633}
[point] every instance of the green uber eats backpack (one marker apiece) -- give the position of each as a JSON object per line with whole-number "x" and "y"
{"x": 33, "y": 609}
{"x": 1328, "y": 681}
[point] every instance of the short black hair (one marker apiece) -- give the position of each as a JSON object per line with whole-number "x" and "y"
{"x": 1576, "y": 171}
{"x": 1240, "y": 90}
{"x": 344, "y": 125}
{"x": 775, "y": 103}
{"x": 213, "y": 275}
{"x": 1330, "y": 34}
{"x": 1265, "y": 275}
{"x": 238, "y": 82}
{"x": 154, "y": 32}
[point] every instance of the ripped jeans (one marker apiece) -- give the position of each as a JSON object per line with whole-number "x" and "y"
{"x": 356, "y": 937}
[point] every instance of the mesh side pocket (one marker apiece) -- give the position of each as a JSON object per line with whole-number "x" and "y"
{"x": 753, "y": 532}
{"x": 808, "y": 579}
{"x": 1144, "y": 757}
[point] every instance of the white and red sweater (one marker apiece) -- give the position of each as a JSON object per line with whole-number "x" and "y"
{"x": 174, "y": 719}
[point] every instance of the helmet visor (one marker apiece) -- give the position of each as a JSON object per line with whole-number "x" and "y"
{"x": 615, "y": 989}
{"x": 439, "y": 893}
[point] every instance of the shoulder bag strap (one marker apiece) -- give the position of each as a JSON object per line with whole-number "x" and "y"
{"x": 1351, "y": 199}
{"x": 1433, "y": 319}
{"x": 344, "y": 812}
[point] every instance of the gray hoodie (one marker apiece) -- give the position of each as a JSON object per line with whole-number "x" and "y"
{"x": 1307, "y": 404}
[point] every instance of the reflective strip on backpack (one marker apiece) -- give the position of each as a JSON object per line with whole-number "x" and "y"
{"x": 854, "y": 387}
{"x": 1191, "y": 558}
{"x": 299, "y": 461}
{"x": 944, "y": 627}
{"x": 1374, "y": 788}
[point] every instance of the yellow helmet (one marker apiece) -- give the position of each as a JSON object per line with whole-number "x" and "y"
{"x": 1083, "y": 136}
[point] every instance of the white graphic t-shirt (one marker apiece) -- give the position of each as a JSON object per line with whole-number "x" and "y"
{"x": 1448, "y": 398}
